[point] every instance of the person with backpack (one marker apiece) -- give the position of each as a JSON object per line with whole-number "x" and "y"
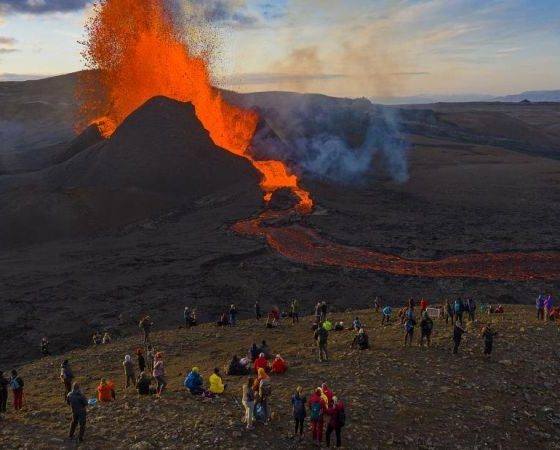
{"x": 216, "y": 384}
{"x": 193, "y": 382}
{"x": 4, "y": 383}
{"x": 232, "y": 315}
{"x": 264, "y": 390}
{"x": 16, "y": 385}
{"x": 141, "y": 360}
{"x": 129, "y": 376}
{"x": 294, "y": 310}
{"x": 78, "y": 403}
{"x": 387, "y": 311}
{"x": 337, "y": 419}
{"x": 66, "y": 377}
{"x": 321, "y": 337}
{"x": 159, "y": 373}
{"x": 488, "y": 335}
{"x": 426, "y": 327}
{"x": 458, "y": 332}
{"x": 298, "y": 411}
{"x": 146, "y": 326}
{"x": 409, "y": 324}
{"x": 248, "y": 401}
{"x": 317, "y": 408}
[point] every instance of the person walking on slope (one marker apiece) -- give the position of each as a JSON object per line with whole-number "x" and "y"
{"x": 409, "y": 324}
{"x": 232, "y": 315}
{"x": 540, "y": 307}
{"x": 488, "y": 335}
{"x": 146, "y": 326}
{"x": 298, "y": 411}
{"x": 66, "y": 377}
{"x": 129, "y": 376}
{"x": 248, "y": 401}
{"x": 337, "y": 419}
{"x": 78, "y": 403}
{"x": 321, "y": 337}
{"x": 317, "y": 409}
{"x": 16, "y": 385}
{"x": 426, "y": 327}
{"x": 458, "y": 332}
{"x": 294, "y": 309}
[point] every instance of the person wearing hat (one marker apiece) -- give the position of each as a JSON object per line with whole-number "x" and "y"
{"x": 78, "y": 403}
{"x": 193, "y": 381}
{"x": 159, "y": 373}
{"x": 66, "y": 377}
{"x": 279, "y": 365}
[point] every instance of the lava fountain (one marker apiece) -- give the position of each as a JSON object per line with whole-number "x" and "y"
{"x": 136, "y": 52}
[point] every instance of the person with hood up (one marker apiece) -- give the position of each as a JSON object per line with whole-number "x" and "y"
{"x": 326, "y": 393}
{"x": 317, "y": 409}
{"x": 78, "y": 403}
{"x": 16, "y": 385}
{"x": 298, "y": 411}
{"x": 337, "y": 419}
{"x": 129, "y": 376}
{"x": 260, "y": 363}
{"x": 216, "y": 384}
{"x": 279, "y": 365}
{"x": 361, "y": 340}
{"x": 106, "y": 391}
{"x": 263, "y": 388}
{"x": 248, "y": 401}
{"x": 159, "y": 373}
{"x": 143, "y": 384}
{"x": 66, "y": 377}
{"x": 193, "y": 382}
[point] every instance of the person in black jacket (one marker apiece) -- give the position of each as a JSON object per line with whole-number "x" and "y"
{"x": 78, "y": 403}
{"x": 66, "y": 377}
{"x": 458, "y": 332}
{"x": 4, "y": 382}
{"x": 141, "y": 360}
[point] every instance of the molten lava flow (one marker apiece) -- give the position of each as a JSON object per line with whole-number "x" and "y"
{"x": 138, "y": 53}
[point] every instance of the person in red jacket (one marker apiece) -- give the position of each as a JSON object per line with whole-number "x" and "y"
{"x": 260, "y": 363}
{"x": 279, "y": 365}
{"x": 337, "y": 419}
{"x": 423, "y": 305}
{"x": 317, "y": 409}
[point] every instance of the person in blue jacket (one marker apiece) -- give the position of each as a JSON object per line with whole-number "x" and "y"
{"x": 387, "y": 311}
{"x": 193, "y": 382}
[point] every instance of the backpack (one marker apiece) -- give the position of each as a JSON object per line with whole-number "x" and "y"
{"x": 265, "y": 388}
{"x": 316, "y": 411}
{"x": 16, "y": 383}
{"x": 341, "y": 417}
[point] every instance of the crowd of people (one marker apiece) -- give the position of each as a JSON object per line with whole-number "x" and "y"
{"x": 322, "y": 405}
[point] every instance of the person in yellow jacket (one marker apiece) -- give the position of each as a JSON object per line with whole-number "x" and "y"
{"x": 216, "y": 384}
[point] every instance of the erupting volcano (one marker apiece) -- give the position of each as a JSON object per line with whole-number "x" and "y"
{"x": 136, "y": 52}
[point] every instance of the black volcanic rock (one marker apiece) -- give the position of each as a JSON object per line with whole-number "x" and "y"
{"x": 282, "y": 199}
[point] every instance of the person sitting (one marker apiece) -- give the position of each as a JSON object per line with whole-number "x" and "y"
{"x": 143, "y": 384}
{"x": 106, "y": 338}
{"x": 490, "y": 309}
{"x": 193, "y": 382}
{"x": 260, "y": 363}
{"x": 499, "y": 310}
{"x": 327, "y": 325}
{"x": 253, "y": 352}
{"x": 106, "y": 391}
{"x": 236, "y": 368}
{"x": 555, "y": 313}
{"x": 97, "y": 338}
{"x": 279, "y": 366}
{"x": 361, "y": 340}
{"x": 483, "y": 307}
{"x": 356, "y": 325}
{"x": 339, "y": 326}
{"x": 216, "y": 384}
{"x": 224, "y": 321}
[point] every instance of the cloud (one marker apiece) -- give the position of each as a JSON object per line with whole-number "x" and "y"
{"x": 22, "y": 76}
{"x": 8, "y": 50}
{"x": 229, "y": 13}
{"x": 41, "y": 6}
{"x": 4, "y": 40}
{"x": 409, "y": 74}
{"x": 270, "y": 78}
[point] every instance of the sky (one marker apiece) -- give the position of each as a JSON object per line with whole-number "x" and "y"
{"x": 369, "y": 48}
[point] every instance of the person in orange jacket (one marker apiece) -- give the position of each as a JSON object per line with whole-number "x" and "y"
{"x": 279, "y": 366}
{"x": 260, "y": 363}
{"x": 106, "y": 391}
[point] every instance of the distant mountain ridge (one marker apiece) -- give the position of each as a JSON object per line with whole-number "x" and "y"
{"x": 532, "y": 96}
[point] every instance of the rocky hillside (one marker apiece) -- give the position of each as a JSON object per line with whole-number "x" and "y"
{"x": 396, "y": 397}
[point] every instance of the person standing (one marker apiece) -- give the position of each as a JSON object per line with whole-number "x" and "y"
{"x": 232, "y": 315}
{"x": 387, "y": 311}
{"x": 4, "y": 382}
{"x": 248, "y": 401}
{"x": 426, "y": 327}
{"x": 187, "y": 317}
{"x": 337, "y": 419}
{"x": 409, "y": 324}
{"x": 258, "y": 313}
{"x": 540, "y": 307}
{"x": 159, "y": 374}
{"x": 471, "y": 304}
{"x": 78, "y": 403}
{"x": 299, "y": 412}
{"x": 458, "y": 332}
{"x": 458, "y": 310}
{"x": 323, "y": 311}
{"x": 66, "y": 377}
{"x": 449, "y": 312}
{"x": 129, "y": 376}
{"x": 548, "y": 305}
{"x": 141, "y": 360}
{"x": 146, "y": 326}
{"x": 488, "y": 335}
{"x": 321, "y": 337}
{"x": 16, "y": 385}
{"x": 151, "y": 355}
{"x": 45, "y": 347}
{"x": 294, "y": 309}
{"x": 317, "y": 409}
{"x": 423, "y": 305}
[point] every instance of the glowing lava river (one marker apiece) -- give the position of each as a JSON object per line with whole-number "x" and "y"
{"x": 137, "y": 52}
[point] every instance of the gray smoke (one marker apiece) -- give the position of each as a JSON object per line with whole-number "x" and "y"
{"x": 343, "y": 141}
